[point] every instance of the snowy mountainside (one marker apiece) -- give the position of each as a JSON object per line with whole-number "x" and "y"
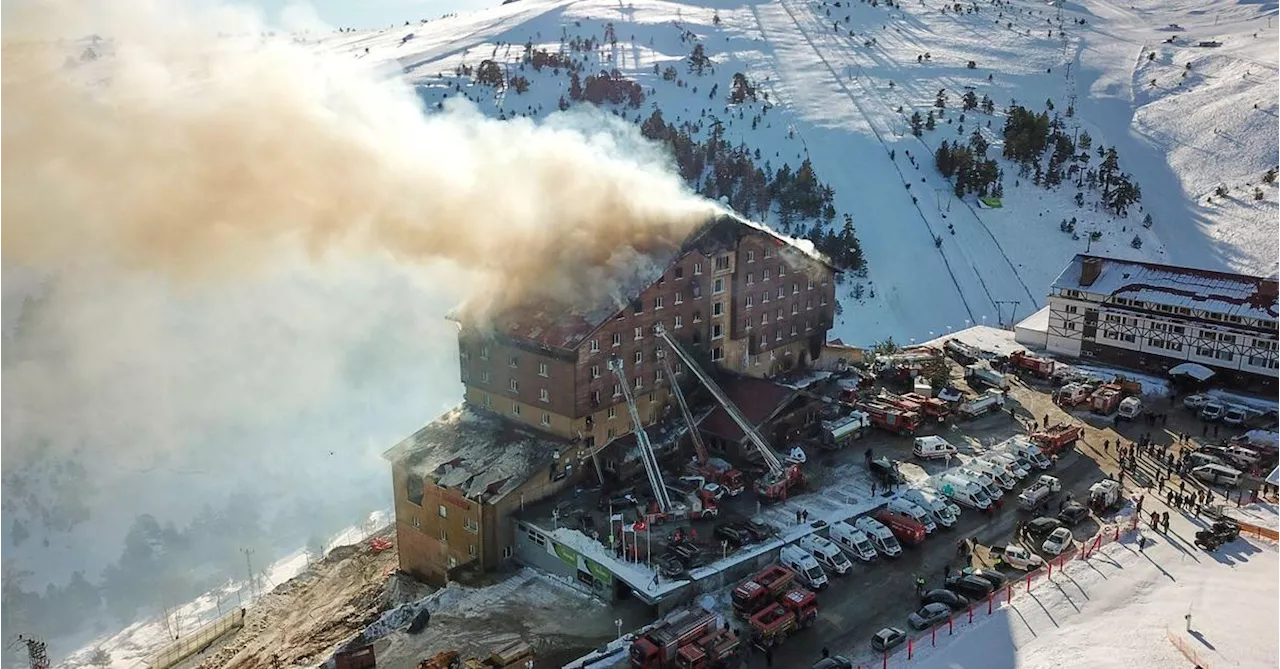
{"x": 838, "y": 85}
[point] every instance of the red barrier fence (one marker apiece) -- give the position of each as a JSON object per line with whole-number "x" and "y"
{"x": 1084, "y": 551}
{"x": 1188, "y": 650}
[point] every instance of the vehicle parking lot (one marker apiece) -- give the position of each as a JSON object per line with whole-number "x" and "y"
{"x": 883, "y": 593}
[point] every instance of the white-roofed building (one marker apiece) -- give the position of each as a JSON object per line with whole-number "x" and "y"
{"x": 1153, "y": 317}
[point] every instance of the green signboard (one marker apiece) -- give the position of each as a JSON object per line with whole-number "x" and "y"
{"x": 602, "y": 575}
{"x": 567, "y": 554}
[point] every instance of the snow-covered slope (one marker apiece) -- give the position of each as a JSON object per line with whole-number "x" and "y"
{"x": 844, "y": 78}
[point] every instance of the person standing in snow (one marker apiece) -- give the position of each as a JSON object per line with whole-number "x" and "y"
{"x": 1165, "y": 521}
{"x": 1142, "y": 543}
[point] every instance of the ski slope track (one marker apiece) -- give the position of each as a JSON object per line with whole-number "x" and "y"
{"x": 844, "y": 82}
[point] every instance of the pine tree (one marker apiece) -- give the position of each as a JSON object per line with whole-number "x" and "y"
{"x": 929, "y": 123}
{"x": 970, "y": 101}
{"x": 575, "y": 87}
{"x": 941, "y": 100}
{"x": 916, "y": 123}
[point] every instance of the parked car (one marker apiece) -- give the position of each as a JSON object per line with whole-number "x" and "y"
{"x": 954, "y": 600}
{"x": 996, "y": 579}
{"x": 834, "y": 662}
{"x": 1072, "y": 514}
{"x": 732, "y": 533}
{"x": 929, "y": 615}
{"x": 970, "y": 586}
{"x": 1235, "y": 415}
{"x": 1196, "y": 402}
{"x": 1212, "y": 411}
{"x": 1057, "y": 541}
{"x": 1039, "y": 528}
{"x": 888, "y": 638}
{"x": 759, "y": 531}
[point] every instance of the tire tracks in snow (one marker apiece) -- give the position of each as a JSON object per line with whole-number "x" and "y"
{"x": 879, "y": 137}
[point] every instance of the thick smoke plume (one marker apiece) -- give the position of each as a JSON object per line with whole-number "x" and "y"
{"x": 226, "y": 256}
{"x": 180, "y": 151}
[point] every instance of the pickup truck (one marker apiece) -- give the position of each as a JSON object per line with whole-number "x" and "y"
{"x": 1037, "y": 492}
{"x": 1016, "y": 557}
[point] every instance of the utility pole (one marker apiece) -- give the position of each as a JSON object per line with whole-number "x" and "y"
{"x": 37, "y": 651}
{"x": 248, "y": 564}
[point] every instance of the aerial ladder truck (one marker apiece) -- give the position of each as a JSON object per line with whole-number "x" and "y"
{"x": 714, "y": 470}
{"x": 780, "y": 479}
{"x": 647, "y": 456}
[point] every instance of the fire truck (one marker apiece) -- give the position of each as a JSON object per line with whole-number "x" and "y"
{"x": 926, "y": 406}
{"x": 660, "y": 646}
{"x": 890, "y": 418}
{"x": 780, "y": 479}
{"x": 1036, "y": 366}
{"x": 908, "y": 530}
{"x": 796, "y": 609}
{"x": 1053, "y": 440}
{"x": 718, "y": 648}
{"x": 1105, "y": 399}
{"x": 760, "y": 590}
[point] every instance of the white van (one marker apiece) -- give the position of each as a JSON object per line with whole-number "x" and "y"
{"x": 1012, "y": 464}
{"x": 880, "y": 536}
{"x": 1197, "y": 459}
{"x": 944, "y": 513}
{"x": 853, "y": 541}
{"x": 826, "y": 553}
{"x": 1130, "y": 407}
{"x": 964, "y": 491}
{"x": 932, "y": 447}
{"x": 1027, "y": 449}
{"x": 904, "y": 506}
{"x": 1241, "y": 454}
{"x": 802, "y": 563}
{"x": 1218, "y": 475}
{"x": 984, "y": 481}
{"x": 995, "y": 470}
{"x": 1235, "y": 415}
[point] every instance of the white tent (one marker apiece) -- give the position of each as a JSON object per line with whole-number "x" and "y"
{"x": 1195, "y": 371}
{"x": 1274, "y": 477}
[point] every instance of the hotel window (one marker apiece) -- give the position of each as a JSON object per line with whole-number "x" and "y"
{"x": 617, "y": 390}
{"x": 613, "y": 432}
{"x": 484, "y": 352}
{"x": 778, "y": 316}
{"x": 595, "y": 371}
{"x": 777, "y": 336}
{"x": 639, "y": 334}
{"x": 543, "y": 395}
{"x": 807, "y": 325}
{"x": 808, "y": 304}
{"x": 782, "y": 270}
{"x": 595, "y": 398}
{"x": 764, "y": 297}
{"x": 546, "y": 418}
{"x": 697, "y": 268}
{"x": 488, "y": 401}
{"x": 613, "y": 412}
{"x": 595, "y": 345}
{"x": 722, "y": 263}
{"x": 443, "y": 511}
{"x": 471, "y": 550}
{"x": 515, "y": 408}
{"x": 637, "y": 307}
{"x": 679, "y": 298}
{"x": 515, "y": 361}
{"x": 697, "y": 316}
{"x": 795, "y": 289}
{"x": 751, "y": 256}
{"x": 751, "y": 278}
{"x": 639, "y": 357}
{"x": 679, "y": 323}
{"x": 764, "y": 275}
{"x": 717, "y": 354}
{"x": 764, "y": 319}
{"x": 793, "y": 330}
{"x": 542, "y": 369}
{"x": 679, "y": 272}
{"x": 657, "y": 303}
{"x": 717, "y": 286}
{"x": 717, "y": 309}
{"x": 515, "y": 385}
{"x": 795, "y": 309}
{"x": 810, "y": 286}
{"x": 717, "y": 331}
{"x": 639, "y": 382}
{"x": 750, "y": 302}
{"x": 617, "y": 339}
{"x": 768, "y": 252}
